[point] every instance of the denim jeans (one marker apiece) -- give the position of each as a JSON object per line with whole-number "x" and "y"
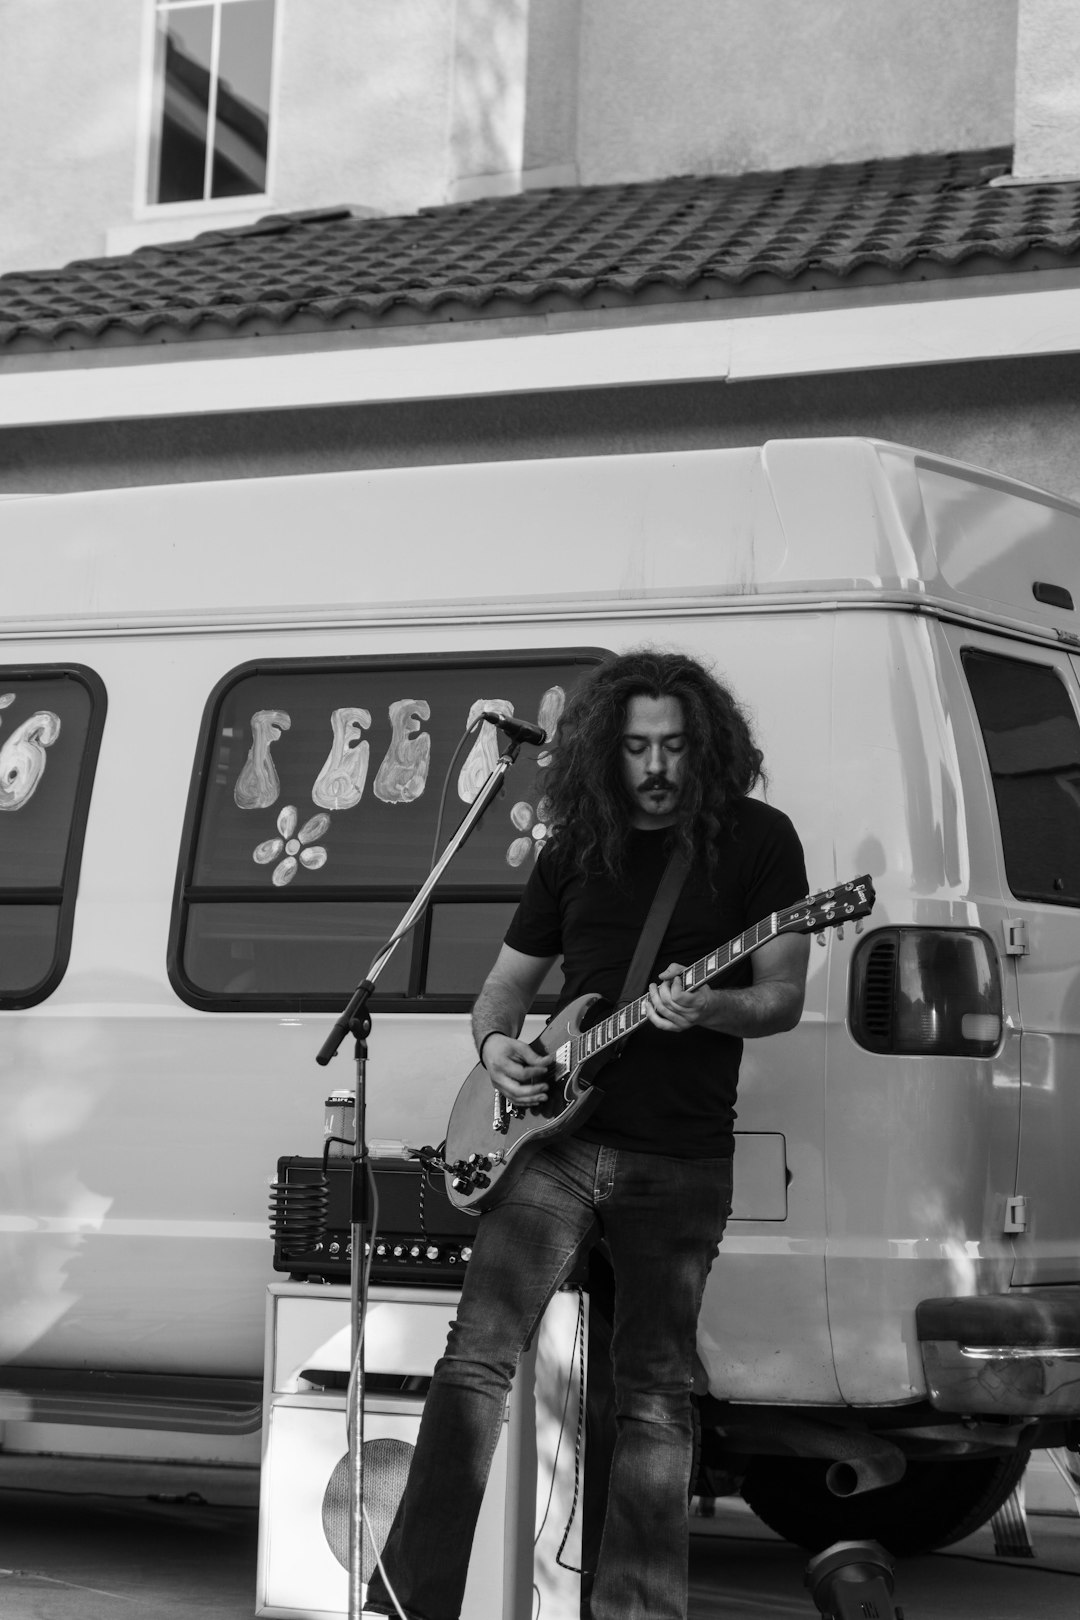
{"x": 662, "y": 1220}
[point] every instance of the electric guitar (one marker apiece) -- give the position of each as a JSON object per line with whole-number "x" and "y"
{"x": 487, "y": 1131}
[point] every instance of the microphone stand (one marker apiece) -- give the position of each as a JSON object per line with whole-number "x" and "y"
{"x": 356, "y": 1021}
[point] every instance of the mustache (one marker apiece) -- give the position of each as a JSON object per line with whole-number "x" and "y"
{"x": 655, "y": 779}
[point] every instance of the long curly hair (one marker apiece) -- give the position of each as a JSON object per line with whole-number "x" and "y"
{"x": 587, "y": 802}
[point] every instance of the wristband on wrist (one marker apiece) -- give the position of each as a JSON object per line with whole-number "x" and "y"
{"x": 483, "y": 1043}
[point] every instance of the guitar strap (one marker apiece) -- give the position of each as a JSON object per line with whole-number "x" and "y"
{"x": 652, "y": 932}
{"x": 667, "y": 893}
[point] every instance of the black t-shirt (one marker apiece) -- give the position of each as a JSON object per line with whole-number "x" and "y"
{"x": 665, "y": 1093}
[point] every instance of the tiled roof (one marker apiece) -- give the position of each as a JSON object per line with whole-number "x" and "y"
{"x": 575, "y": 248}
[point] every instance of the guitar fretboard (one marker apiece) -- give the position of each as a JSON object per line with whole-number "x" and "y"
{"x": 624, "y": 1020}
{"x": 829, "y": 909}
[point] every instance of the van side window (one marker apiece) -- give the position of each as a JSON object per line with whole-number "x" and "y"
{"x": 1032, "y": 742}
{"x": 321, "y": 795}
{"x": 50, "y": 729}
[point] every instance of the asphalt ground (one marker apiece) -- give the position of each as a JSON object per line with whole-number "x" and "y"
{"x": 92, "y": 1556}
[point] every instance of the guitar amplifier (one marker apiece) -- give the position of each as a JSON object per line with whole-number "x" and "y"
{"x": 420, "y": 1237}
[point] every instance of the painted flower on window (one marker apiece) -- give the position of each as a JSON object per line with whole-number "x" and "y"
{"x": 293, "y": 849}
{"x": 534, "y": 830}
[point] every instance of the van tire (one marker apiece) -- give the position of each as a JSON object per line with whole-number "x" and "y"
{"x": 935, "y": 1504}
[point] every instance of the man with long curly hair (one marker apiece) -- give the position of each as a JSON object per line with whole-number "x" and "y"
{"x": 652, "y": 754}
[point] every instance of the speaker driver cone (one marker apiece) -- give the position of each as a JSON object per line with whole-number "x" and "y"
{"x": 386, "y": 1468}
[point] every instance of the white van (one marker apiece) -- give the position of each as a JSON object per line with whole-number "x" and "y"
{"x": 227, "y": 719}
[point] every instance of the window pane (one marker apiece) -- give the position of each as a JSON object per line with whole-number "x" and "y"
{"x": 243, "y": 99}
{"x": 350, "y": 763}
{"x": 323, "y": 794}
{"x": 465, "y": 941}
{"x": 288, "y": 950}
{"x": 1033, "y": 747}
{"x": 185, "y": 40}
{"x": 27, "y": 947}
{"x": 44, "y": 721}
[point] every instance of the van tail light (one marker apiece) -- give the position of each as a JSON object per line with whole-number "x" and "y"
{"x": 932, "y": 991}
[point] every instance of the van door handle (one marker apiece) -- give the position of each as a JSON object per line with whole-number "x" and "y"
{"x": 1016, "y": 940}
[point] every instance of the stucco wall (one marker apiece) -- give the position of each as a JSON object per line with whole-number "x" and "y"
{"x": 1048, "y": 90}
{"x": 702, "y": 86}
{"x": 362, "y": 107}
{"x": 69, "y": 78}
{"x": 1019, "y": 417}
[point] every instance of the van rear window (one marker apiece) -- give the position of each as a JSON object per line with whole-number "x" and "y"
{"x": 321, "y": 796}
{"x": 1032, "y": 742}
{"x": 50, "y": 728}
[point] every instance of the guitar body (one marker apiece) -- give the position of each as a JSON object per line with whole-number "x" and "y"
{"x": 485, "y": 1125}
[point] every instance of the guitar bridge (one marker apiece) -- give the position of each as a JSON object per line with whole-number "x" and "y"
{"x": 500, "y": 1118}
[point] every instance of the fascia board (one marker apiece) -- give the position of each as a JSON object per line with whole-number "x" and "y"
{"x": 733, "y": 349}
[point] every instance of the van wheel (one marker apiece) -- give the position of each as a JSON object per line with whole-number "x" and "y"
{"x": 934, "y": 1504}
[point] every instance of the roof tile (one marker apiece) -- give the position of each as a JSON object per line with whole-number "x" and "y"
{"x": 685, "y": 235}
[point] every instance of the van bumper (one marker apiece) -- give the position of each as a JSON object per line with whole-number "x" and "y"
{"x": 1003, "y": 1354}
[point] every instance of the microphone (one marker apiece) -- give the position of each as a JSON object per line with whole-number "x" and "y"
{"x": 520, "y": 730}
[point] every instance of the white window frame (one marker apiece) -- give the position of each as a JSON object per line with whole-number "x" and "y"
{"x": 251, "y": 203}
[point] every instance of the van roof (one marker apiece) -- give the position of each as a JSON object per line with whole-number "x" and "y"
{"x": 794, "y": 522}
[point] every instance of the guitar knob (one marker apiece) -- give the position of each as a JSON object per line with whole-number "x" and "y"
{"x": 462, "y": 1184}
{"x": 480, "y": 1180}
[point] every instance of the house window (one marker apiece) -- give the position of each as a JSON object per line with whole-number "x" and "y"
{"x": 321, "y": 792}
{"x": 211, "y": 110}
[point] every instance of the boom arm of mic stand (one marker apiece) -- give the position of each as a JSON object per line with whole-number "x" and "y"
{"x": 361, "y": 995}
{"x": 356, "y": 1020}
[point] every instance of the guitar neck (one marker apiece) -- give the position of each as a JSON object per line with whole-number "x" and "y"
{"x": 625, "y": 1019}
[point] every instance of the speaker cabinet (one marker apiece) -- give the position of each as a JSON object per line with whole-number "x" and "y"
{"x": 303, "y": 1515}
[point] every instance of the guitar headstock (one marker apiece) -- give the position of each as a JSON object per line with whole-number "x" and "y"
{"x": 829, "y": 909}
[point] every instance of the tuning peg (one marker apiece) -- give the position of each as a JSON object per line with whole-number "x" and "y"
{"x": 859, "y": 926}
{"x": 820, "y": 938}
{"x": 840, "y": 932}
